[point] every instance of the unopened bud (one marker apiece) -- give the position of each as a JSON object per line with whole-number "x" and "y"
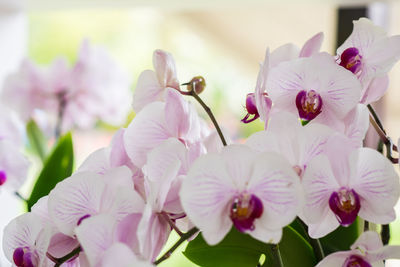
{"x": 197, "y": 84}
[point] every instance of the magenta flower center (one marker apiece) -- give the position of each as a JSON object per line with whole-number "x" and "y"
{"x": 3, "y": 177}
{"x": 345, "y": 204}
{"x": 309, "y": 104}
{"x": 351, "y": 60}
{"x": 356, "y": 261}
{"x": 25, "y": 257}
{"x": 245, "y": 208}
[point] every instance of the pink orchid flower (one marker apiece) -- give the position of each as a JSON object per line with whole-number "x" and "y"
{"x": 26, "y": 240}
{"x": 87, "y": 194}
{"x": 27, "y": 90}
{"x": 258, "y": 103}
{"x": 346, "y": 183}
{"x": 151, "y": 85}
{"x": 257, "y": 193}
{"x": 285, "y": 136}
{"x": 166, "y": 167}
{"x": 60, "y": 244}
{"x": 98, "y": 89}
{"x": 314, "y": 87}
{"x": 369, "y": 53}
{"x": 367, "y": 251}
{"x": 159, "y": 121}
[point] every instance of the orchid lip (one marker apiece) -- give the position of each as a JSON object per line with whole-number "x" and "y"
{"x": 309, "y": 104}
{"x": 245, "y": 208}
{"x": 345, "y": 204}
{"x": 3, "y": 177}
{"x": 351, "y": 60}
{"x": 25, "y": 257}
{"x": 251, "y": 107}
{"x": 356, "y": 261}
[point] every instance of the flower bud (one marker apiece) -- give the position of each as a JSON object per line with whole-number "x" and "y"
{"x": 197, "y": 84}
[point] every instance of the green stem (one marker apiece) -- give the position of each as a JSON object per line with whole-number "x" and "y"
{"x": 210, "y": 114}
{"x": 60, "y": 261}
{"x": 183, "y": 238}
{"x": 20, "y": 197}
{"x": 366, "y": 226}
{"x": 376, "y": 117}
{"x": 276, "y": 255}
{"x": 385, "y": 234}
{"x": 315, "y": 243}
{"x": 61, "y": 108}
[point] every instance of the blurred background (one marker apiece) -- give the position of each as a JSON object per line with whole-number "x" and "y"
{"x": 222, "y": 40}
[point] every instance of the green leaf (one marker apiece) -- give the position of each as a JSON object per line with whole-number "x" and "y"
{"x": 241, "y": 250}
{"x": 57, "y": 167}
{"x": 37, "y": 140}
{"x": 294, "y": 250}
{"x": 236, "y": 249}
{"x": 342, "y": 238}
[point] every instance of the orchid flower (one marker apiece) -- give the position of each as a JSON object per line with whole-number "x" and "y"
{"x": 159, "y": 121}
{"x": 367, "y": 251}
{"x": 314, "y": 87}
{"x": 26, "y": 240}
{"x": 151, "y": 85}
{"x": 346, "y": 183}
{"x": 369, "y": 53}
{"x": 87, "y": 194}
{"x": 257, "y": 193}
{"x": 258, "y": 103}
{"x": 166, "y": 167}
{"x": 285, "y": 136}
{"x": 27, "y": 90}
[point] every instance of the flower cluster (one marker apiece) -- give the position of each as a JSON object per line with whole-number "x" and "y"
{"x": 94, "y": 88}
{"x": 168, "y": 171}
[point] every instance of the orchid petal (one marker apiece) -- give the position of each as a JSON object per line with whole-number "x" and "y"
{"x": 312, "y": 46}
{"x": 206, "y": 194}
{"x": 369, "y": 241}
{"x": 326, "y": 224}
{"x": 375, "y": 90}
{"x": 147, "y": 90}
{"x": 77, "y": 196}
{"x": 152, "y": 233}
{"x": 164, "y": 65}
{"x": 176, "y": 112}
{"x": 319, "y": 183}
{"x": 335, "y": 259}
{"x": 96, "y": 235}
{"x": 278, "y": 187}
{"x": 375, "y": 181}
{"x": 147, "y": 130}
{"x": 120, "y": 255}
